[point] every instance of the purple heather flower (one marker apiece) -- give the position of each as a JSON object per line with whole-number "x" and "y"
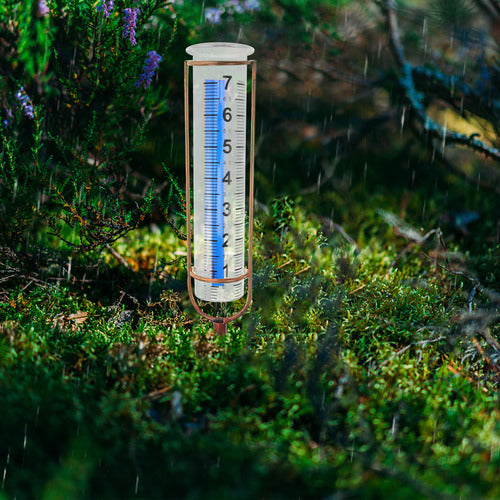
{"x": 130, "y": 24}
{"x": 25, "y": 101}
{"x": 7, "y": 122}
{"x": 43, "y": 8}
{"x": 213, "y": 14}
{"x": 232, "y": 6}
{"x": 107, "y": 6}
{"x": 251, "y": 5}
{"x": 149, "y": 67}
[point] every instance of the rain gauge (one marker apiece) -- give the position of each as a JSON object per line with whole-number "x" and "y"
{"x": 220, "y": 152}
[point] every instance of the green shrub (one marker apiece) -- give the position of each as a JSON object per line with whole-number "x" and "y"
{"x": 76, "y": 107}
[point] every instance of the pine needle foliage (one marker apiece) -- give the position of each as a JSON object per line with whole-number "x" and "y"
{"x": 452, "y": 12}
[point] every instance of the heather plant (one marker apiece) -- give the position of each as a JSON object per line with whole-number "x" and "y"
{"x": 80, "y": 87}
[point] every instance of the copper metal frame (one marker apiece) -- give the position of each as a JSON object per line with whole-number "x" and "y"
{"x": 220, "y": 324}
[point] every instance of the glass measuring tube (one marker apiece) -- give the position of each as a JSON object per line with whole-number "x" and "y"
{"x": 219, "y": 165}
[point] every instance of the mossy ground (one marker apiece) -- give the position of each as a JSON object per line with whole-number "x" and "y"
{"x": 353, "y": 375}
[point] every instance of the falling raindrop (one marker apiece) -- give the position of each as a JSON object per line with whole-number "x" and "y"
{"x": 14, "y": 193}
{"x": 69, "y": 269}
{"x": 136, "y": 484}
{"x": 319, "y": 183}
{"x": 364, "y": 173}
{"x": 153, "y": 274}
{"x": 202, "y": 11}
{"x": 403, "y": 116}
{"x": 365, "y": 69}
{"x": 394, "y": 426}
{"x": 424, "y": 34}
{"x": 443, "y": 142}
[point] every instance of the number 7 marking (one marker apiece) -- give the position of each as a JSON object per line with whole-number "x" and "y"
{"x": 227, "y": 81}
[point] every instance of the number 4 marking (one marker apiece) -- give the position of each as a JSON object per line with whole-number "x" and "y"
{"x": 227, "y": 177}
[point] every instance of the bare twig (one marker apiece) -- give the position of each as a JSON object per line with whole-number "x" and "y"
{"x": 303, "y": 270}
{"x": 409, "y": 346}
{"x": 176, "y": 230}
{"x": 414, "y": 98}
{"x": 491, "y": 7}
{"x": 117, "y": 256}
{"x": 437, "y": 152}
{"x": 337, "y": 227}
{"x": 496, "y": 5}
{"x": 486, "y": 357}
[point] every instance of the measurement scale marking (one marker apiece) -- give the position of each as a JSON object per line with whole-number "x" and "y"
{"x": 214, "y": 167}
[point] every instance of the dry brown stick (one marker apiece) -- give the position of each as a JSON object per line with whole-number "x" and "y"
{"x": 117, "y": 256}
{"x": 485, "y": 356}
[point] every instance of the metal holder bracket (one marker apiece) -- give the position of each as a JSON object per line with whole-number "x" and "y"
{"x": 219, "y": 324}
